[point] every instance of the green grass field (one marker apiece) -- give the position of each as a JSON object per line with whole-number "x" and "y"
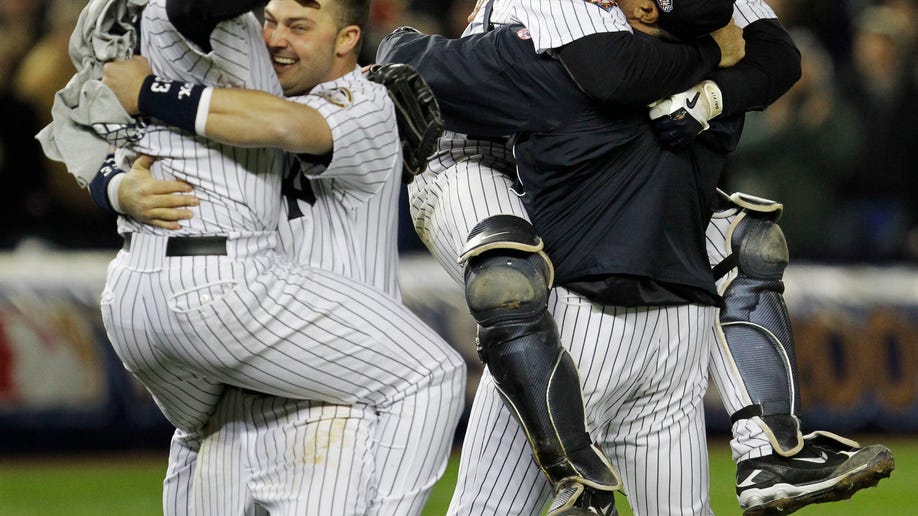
{"x": 131, "y": 486}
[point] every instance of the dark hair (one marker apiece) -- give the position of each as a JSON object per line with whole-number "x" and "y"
{"x": 349, "y": 12}
{"x": 353, "y": 12}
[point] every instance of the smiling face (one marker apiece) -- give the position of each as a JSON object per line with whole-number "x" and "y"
{"x": 306, "y": 43}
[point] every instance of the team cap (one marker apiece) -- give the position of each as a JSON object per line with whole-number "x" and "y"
{"x": 691, "y": 19}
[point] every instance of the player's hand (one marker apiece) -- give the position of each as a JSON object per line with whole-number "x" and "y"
{"x": 125, "y": 78}
{"x": 677, "y": 120}
{"x": 731, "y": 43}
{"x": 151, "y": 201}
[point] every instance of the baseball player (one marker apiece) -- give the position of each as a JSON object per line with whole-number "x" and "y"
{"x": 563, "y": 451}
{"x": 214, "y": 304}
{"x": 808, "y": 485}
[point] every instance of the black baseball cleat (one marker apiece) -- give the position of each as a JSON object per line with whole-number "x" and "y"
{"x": 574, "y": 499}
{"x": 828, "y": 468}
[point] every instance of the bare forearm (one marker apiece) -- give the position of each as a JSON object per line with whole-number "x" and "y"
{"x": 241, "y": 117}
{"x": 248, "y": 118}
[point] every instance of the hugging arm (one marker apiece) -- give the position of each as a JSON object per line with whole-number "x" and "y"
{"x": 634, "y": 68}
{"x": 494, "y": 83}
{"x": 235, "y": 116}
{"x": 196, "y": 19}
{"x": 770, "y": 68}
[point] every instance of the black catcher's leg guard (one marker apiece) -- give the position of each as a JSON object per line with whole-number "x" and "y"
{"x": 507, "y": 280}
{"x": 755, "y": 322}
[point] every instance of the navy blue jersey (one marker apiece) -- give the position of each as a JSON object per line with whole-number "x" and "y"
{"x": 608, "y": 199}
{"x": 623, "y": 219}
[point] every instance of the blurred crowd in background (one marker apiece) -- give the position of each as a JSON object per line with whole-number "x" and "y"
{"x": 838, "y": 150}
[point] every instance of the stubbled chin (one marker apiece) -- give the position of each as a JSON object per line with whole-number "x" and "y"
{"x": 281, "y": 71}
{"x": 284, "y": 78}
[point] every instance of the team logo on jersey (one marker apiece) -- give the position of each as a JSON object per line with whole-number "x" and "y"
{"x": 340, "y": 96}
{"x": 524, "y": 34}
{"x": 605, "y": 5}
{"x": 665, "y": 5}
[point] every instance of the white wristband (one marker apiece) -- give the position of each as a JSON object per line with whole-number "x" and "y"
{"x": 200, "y": 119}
{"x": 112, "y": 192}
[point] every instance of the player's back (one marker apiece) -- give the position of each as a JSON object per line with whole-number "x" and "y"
{"x": 610, "y": 200}
{"x": 238, "y": 188}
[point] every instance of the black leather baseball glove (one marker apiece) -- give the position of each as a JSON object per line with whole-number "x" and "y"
{"x": 420, "y": 124}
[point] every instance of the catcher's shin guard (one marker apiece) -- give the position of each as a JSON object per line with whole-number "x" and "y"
{"x": 507, "y": 280}
{"x": 754, "y": 324}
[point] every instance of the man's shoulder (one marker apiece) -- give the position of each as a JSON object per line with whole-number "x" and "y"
{"x": 346, "y": 92}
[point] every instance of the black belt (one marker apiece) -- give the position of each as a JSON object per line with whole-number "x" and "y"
{"x": 189, "y": 246}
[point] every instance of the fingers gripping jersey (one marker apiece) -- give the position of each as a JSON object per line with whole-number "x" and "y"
{"x": 238, "y": 188}
{"x": 339, "y": 210}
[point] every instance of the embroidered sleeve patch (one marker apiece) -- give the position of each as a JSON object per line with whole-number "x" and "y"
{"x": 340, "y": 96}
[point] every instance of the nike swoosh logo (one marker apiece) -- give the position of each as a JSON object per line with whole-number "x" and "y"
{"x": 749, "y": 480}
{"x": 816, "y": 460}
{"x": 694, "y": 100}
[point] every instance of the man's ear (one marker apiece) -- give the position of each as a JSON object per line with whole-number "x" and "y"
{"x": 647, "y": 12}
{"x": 347, "y": 40}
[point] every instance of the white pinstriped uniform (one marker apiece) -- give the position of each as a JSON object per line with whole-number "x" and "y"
{"x": 290, "y": 457}
{"x": 462, "y": 185}
{"x": 340, "y": 232}
{"x": 664, "y": 470}
{"x": 187, "y": 327}
{"x": 553, "y": 23}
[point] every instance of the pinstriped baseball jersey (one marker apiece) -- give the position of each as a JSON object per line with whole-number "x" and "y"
{"x": 238, "y": 188}
{"x": 554, "y": 23}
{"x": 351, "y": 200}
{"x": 340, "y": 217}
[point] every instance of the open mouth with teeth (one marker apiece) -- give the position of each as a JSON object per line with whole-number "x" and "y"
{"x": 283, "y": 61}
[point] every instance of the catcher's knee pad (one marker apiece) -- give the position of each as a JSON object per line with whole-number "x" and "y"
{"x": 507, "y": 275}
{"x": 754, "y": 324}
